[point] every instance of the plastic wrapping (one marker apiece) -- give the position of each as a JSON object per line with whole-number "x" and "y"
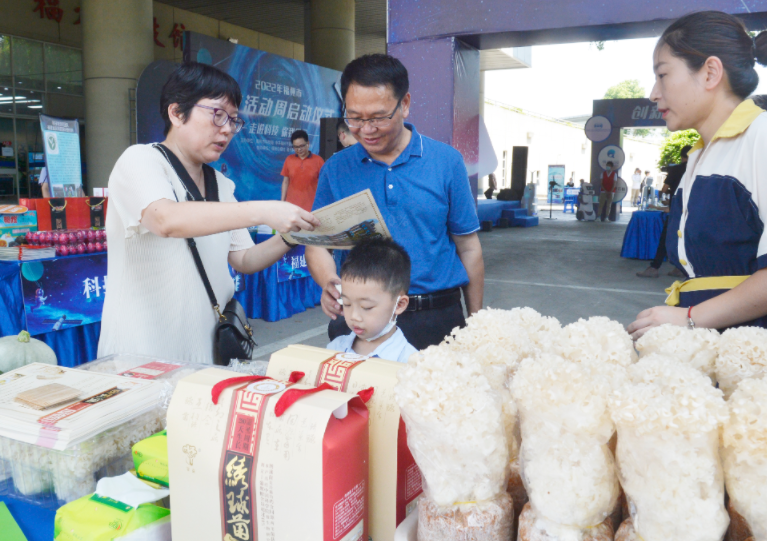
{"x": 251, "y": 368}
{"x": 483, "y": 521}
{"x": 694, "y": 347}
{"x": 744, "y": 451}
{"x": 454, "y": 426}
{"x": 48, "y": 477}
{"x": 674, "y": 484}
{"x": 531, "y": 528}
{"x": 742, "y": 355}
{"x": 668, "y": 417}
{"x": 137, "y": 366}
{"x": 567, "y": 466}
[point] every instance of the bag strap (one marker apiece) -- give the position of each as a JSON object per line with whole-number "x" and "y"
{"x": 191, "y": 188}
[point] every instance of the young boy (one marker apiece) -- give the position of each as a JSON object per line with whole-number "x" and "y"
{"x": 374, "y": 282}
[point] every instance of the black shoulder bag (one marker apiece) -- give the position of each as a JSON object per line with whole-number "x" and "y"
{"x": 233, "y": 337}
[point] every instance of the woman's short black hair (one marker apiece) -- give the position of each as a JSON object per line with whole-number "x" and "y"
{"x": 760, "y": 100}
{"x": 299, "y": 134}
{"x": 379, "y": 260}
{"x": 376, "y": 70}
{"x": 698, "y": 36}
{"x": 192, "y": 82}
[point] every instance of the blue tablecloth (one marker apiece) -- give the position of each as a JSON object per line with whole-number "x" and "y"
{"x": 263, "y": 298}
{"x": 643, "y": 234}
{"x": 36, "y": 522}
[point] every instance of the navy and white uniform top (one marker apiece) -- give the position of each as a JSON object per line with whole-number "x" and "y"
{"x": 717, "y": 217}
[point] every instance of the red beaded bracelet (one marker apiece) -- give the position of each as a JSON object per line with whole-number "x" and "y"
{"x": 690, "y": 322}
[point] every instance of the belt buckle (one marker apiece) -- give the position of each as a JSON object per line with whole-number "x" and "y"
{"x": 419, "y": 304}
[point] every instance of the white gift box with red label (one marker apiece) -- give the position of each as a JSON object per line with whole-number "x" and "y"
{"x": 395, "y": 480}
{"x": 256, "y": 459}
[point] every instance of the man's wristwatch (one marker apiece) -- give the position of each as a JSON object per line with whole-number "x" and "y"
{"x": 690, "y": 322}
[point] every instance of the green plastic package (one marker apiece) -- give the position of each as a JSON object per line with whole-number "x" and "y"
{"x": 102, "y": 519}
{"x": 150, "y": 457}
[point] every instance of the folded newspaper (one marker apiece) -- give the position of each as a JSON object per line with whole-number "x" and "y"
{"x": 344, "y": 224}
{"x": 102, "y": 402}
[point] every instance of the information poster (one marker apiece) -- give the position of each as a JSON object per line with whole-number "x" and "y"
{"x": 557, "y": 176}
{"x": 279, "y": 96}
{"x": 63, "y": 292}
{"x": 62, "y": 155}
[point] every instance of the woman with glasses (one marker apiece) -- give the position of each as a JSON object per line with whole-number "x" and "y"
{"x": 156, "y": 303}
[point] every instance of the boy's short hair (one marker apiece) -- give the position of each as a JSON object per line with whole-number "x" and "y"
{"x": 380, "y": 260}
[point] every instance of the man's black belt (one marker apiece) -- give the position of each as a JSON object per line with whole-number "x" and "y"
{"x": 434, "y": 301}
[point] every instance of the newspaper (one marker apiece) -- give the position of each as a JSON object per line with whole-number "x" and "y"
{"x": 104, "y": 401}
{"x": 344, "y": 224}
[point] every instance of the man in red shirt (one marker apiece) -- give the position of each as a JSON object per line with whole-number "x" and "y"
{"x": 609, "y": 184}
{"x": 301, "y": 173}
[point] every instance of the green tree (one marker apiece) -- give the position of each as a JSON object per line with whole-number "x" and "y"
{"x": 629, "y": 88}
{"x": 672, "y": 146}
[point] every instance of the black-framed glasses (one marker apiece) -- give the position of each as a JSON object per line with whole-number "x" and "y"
{"x": 221, "y": 117}
{"x": 299, "y": 147}
{"x": 377, "y": 122}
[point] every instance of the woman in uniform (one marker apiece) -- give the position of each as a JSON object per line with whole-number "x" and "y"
{"x": 704, "y": 69}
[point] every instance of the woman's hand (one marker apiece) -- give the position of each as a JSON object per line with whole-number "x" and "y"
{"x": 287, "y": 217}
{"x": 653, "y": 317}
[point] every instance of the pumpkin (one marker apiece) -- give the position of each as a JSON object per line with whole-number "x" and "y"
{"x": 21, "y": 350}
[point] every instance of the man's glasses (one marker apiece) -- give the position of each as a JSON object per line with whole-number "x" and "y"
{"x": 377, "y": 122}
{"x": 299, "y": 147}
{"x": 221, "y": 117}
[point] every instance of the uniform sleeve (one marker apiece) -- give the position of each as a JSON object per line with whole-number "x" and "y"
{"x": 240, "y": 238}
{"x": 324, "y": 195}
{"x": 462, "y": 215}
{"x": 138, "y": 180}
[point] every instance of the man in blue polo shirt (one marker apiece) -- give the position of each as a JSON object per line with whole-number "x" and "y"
{"x": 422, "y": 189}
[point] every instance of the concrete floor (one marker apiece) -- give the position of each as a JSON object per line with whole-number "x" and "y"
{"x": 562, "y": 268}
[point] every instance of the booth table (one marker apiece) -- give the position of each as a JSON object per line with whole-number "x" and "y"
{"x": 263, "y": 295}
{"x": 643, "y": 234}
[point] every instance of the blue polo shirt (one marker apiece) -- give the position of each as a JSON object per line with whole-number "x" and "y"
{"x": 424, "y": 197}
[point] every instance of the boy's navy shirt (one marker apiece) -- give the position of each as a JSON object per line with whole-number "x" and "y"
{"x": 424, "y": 197}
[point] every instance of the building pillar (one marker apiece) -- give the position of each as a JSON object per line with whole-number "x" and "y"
{"x": 482, "y": 93}
{"x": 331, "y": 39}
{"x": 117, "y": 46}
{"x": 444, "y": 84}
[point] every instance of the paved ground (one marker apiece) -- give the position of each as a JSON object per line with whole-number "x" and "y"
{"x": 562, "y": 268}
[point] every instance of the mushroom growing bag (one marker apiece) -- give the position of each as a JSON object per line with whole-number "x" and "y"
{"x": 567, "y": 466}
{"x": 456, "y": 434}
{"x": 744, "y": 450}
{"x": 668, "y": 416}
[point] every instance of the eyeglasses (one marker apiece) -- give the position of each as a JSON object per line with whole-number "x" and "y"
{"x": 299, "y": 147}
{"x": 221, "y": 117}
{"x": 377, "y": 122}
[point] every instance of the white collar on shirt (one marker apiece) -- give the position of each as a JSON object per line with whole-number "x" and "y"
{"x": 390, "y": 349}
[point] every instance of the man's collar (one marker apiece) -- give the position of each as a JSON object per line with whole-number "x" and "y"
{"x": 740, "y": 119}
{"x": 413, "y": 148}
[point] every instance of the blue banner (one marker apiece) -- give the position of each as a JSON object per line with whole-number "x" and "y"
{"x": 292, "y": 266}
{"x": 279, "y": 96}
{"x": 63, "y": 292}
